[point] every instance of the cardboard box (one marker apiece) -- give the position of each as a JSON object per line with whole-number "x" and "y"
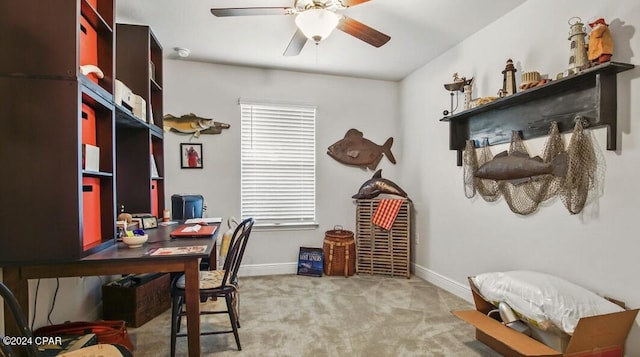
{"x": 602, "y": 335}
{"x": 136, "y": 299}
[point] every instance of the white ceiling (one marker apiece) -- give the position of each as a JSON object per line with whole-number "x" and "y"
{"x": 420, "y": 30}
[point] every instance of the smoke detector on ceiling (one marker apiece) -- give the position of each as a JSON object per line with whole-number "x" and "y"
{"x": 183, "y": 52}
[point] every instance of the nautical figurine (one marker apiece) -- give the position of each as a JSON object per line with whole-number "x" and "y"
{"x": 355, "y": 150}
{"x": 467, "y": 95}
{"x": 578, "y": 60}
{"x": 377, "y": 185}
{"x": 600, "y": 42}
{"x": 193, "y": 124}
{"x": 509, "y": 79}
{"x": 519, "y": 168}
{"x": 458, "y": 85}
{"x": 531, "y": 79}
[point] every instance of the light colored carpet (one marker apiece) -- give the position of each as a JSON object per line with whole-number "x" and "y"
{"x": 363, "y": 315}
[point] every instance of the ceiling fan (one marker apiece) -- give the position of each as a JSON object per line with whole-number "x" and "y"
{"x": 315, "y": 19}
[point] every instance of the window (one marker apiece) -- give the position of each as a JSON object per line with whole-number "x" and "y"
{"x": 278, "y": 184}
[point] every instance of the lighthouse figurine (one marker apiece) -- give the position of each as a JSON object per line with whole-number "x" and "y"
{"x": 578, "y": 60}
{"x": 509, "y": 79}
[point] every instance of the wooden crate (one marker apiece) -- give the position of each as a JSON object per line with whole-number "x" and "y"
{"x": 380, "y": 251}
{"x": 136, "y": 302}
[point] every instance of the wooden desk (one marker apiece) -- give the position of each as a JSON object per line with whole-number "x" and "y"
{"x": 119, "y": 259}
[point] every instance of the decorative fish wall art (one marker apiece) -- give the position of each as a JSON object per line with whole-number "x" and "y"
{"x": 519, "y": 167}
{"x": 355, "y": 150}
{"x": 192, "y": 124}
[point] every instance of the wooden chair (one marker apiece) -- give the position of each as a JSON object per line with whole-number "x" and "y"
{"x": 215, "y": 284}
{"x": 33, "y": 351}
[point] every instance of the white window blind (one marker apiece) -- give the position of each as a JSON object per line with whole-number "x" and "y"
{"x": 278, "y": 163}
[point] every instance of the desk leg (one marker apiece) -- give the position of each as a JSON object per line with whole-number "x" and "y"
{"x": 192, "y": 292}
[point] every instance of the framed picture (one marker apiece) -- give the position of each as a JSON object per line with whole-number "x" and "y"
{"x": 191, "y": 156}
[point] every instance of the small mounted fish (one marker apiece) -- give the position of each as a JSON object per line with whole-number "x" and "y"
{"x": 355, "y": 150}
{"x": 193, "y": 124}
{"x": 377, "y": 185}
{"x": 519, "y": 167}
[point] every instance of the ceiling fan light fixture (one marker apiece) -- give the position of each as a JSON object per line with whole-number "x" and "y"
{"x": 317, "y": 24}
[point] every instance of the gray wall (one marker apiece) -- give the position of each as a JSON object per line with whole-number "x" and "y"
{"x": 212, "y": 91}
{"x": 455, "y": 237}
{"x": 459, "y": 237}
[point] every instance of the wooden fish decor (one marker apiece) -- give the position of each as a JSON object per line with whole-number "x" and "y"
{"x": 192, "y": 124}
{"x": 355, "y": 150}
{"x": 377, "y": 185}
{"x": 519, "y": 168}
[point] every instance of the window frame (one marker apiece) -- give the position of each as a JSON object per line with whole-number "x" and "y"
{"x": 277, "y": 129}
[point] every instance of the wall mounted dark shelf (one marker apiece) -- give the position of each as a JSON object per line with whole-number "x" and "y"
{"x": 591, "y": 94}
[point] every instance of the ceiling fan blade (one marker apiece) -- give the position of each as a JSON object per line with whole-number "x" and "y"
{"x": 363, "y": 32}
{"x": 349, "y": 3}
{"x": 251, "y": 11}
{"x": 296, "y": 44}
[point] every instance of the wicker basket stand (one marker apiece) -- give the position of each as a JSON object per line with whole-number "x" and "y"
{"x": 339, "y": 250}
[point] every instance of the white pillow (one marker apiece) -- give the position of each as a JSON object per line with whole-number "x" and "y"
{"x": 543, "y": 298}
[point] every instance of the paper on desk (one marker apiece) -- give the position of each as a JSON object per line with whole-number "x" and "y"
{"x": 204, "y": 220}
{"x": 196, "y": 249}
{"x": 194, "y": 228}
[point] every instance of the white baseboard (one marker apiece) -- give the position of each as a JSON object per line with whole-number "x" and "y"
{"x": 268, "y": 269}
{"x": 454, "y": 287}
{"x": 423, "y": 273}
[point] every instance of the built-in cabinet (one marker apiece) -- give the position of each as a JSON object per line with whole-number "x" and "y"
{"x": 139, "y": 144}
{"x": 61, "y": 131}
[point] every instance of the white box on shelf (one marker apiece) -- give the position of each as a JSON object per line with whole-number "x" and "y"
{"x": 154, "y": 168}
{"x": 90, "y": 157}
{"x": 140, "y": 108}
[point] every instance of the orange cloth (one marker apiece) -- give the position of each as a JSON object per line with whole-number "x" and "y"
{"x": 386, "y": 213}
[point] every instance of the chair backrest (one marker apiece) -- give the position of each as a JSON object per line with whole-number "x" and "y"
{"x": 186, "y": 206}
{"x": 236, "y": 250}
{"x": 32, "y": 349}
{"x": 21, "y": 321}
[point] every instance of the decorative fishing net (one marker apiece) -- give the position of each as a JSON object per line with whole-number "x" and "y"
{"x": 586, "y": 171}
{"x": 584, "y": 177}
